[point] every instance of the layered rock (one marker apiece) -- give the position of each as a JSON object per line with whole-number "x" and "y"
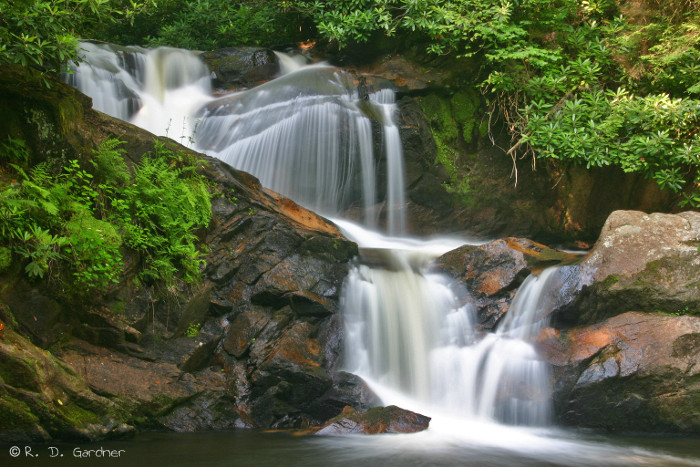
{"x": 629, "y": 361}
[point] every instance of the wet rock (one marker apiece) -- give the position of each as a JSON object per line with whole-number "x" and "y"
{"x": 241, "y": 66}
{"x": 377, "y": 420}
{"x": 633, "y": 372}
{"x": 492, "y": 272}
{"x": 641, "y": 261}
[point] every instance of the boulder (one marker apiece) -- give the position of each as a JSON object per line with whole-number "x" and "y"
{"x": 236, "y": 67}
{"x": 648, "y": 262}
{"x": 492, "y": 272}
{"x": 377, "y": 420}
{"x": 633, "y": 372}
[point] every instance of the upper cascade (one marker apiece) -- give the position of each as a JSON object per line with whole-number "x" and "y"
{"x": 307, "y": 134}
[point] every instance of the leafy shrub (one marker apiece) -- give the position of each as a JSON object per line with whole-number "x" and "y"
{"x": 71, "y": 225}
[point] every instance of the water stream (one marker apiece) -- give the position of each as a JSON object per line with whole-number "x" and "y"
{"x": 409, "y": 333}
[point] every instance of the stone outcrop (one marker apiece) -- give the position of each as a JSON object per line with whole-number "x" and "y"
{"x": 647, "y": 262}
{"x": 626, "y": 353}
{"x": 633, "y": 372}
{"x": 492, "y": 272}
{"x": 255, "y": 344}
{"x": 377, "y": 420}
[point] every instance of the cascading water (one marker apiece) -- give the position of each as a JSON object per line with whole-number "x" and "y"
{"x": 308, "y": 135}
{"x": 408, "y": 333}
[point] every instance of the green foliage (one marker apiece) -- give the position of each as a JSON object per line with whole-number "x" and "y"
{"x": 193, "y": 330}
{"x": 43, "y": 33}
{"x": 160, "y": 212}
{"x": 210, "y": 24}
{"x": 71, "y": 225}
{"x": 576, "y": 80}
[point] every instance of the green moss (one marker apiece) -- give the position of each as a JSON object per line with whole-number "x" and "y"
{"x": 610, "y": 281}
{"x": 15, "y": 415}
{"x": 5, "y": 259}
{"x": 78, "y": 416}
{"x": 453, "y": 122}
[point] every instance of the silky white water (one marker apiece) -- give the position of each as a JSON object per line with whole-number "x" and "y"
{"x": 410, "y": 332}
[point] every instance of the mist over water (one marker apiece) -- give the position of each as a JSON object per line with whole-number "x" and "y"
{"x": 410, "y": 332}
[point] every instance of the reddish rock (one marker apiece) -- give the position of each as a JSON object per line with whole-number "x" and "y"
{"x": 377, "y": 420}
{"x": 492, "y": 272}
{"x": 633, "y": 372}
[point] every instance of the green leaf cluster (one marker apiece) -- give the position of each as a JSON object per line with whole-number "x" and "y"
{"x": 43, "y": 33}
{"x": 73, "y": 225}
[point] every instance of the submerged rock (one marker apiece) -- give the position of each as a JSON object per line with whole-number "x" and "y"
{"x": 374, "y": 421}
{"x": 633, "y": 372}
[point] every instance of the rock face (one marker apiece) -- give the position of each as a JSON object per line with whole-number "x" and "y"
{"x": 254, "y": 345}
{"x": 629, "y": 359}
{"x": 236, "y": 67}
{"x": 641, "y": 261}
{"x": 377, "y": 420}
{"x": 633, "y": 372}
{"x": 492, "y": 272}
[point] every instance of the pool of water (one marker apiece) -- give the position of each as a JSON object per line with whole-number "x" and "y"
{"x": 490, "y": 446}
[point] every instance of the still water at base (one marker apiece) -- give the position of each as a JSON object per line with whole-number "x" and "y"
{"x": 479, "y": 445}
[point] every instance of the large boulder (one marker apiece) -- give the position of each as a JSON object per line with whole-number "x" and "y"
{"x": 648, "y": 262}
{"x": 633, "y": 372}
{"x": 237, "y": 67}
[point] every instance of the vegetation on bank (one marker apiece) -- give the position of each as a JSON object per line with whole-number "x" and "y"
{"x": 588, "y": 82}
{"x": 73, "y": 225}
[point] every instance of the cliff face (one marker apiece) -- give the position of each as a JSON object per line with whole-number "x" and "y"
{"x": 255, "y": 344}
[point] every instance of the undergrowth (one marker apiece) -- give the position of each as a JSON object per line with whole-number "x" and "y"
{"x": 73, "y": 224}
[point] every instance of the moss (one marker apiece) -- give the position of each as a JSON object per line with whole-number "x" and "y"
{"x": 15, "y": 415}
{"x": 20, "y": 373}
{"x": 453, "y": 124}
{"x": 5, "y": 259}
{"x": 610, "y": 281}
{"x": 78, "y": 416}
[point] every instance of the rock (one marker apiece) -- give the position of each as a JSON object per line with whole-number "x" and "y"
{"x": 633, "y": 372}
{"x": 492, "y": 272}
{"x": 377, "y": 420}
{"x": 43, "y": 399}
{"x": 241, "y": 66}
{"x": 648, "y": 262}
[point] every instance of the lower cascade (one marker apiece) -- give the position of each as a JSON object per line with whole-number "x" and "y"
{"x": 310, "y": 135}
{"x": 409, "y": 332}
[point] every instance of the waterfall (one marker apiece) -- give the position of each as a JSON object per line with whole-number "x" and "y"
{"x": 306, "y": 134}
{"x": 409, "y": 332}
{"x": 309, "y": 135}
{"x": 159, "y": 90}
